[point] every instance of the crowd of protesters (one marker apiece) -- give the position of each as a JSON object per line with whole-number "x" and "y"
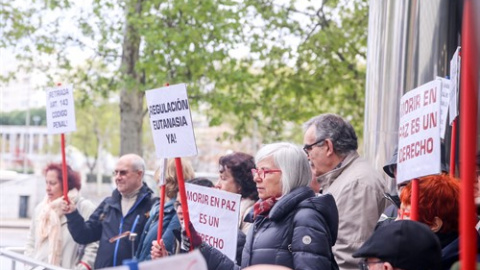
{"x": 317, "y": 207}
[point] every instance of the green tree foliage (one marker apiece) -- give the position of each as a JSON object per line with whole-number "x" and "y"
{"x": 19, "y": 118}
{"x": 97, "y": 130}
{"x": 262, "y": 66}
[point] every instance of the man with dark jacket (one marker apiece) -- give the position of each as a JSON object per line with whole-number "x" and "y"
{"x": 117, "y": 217}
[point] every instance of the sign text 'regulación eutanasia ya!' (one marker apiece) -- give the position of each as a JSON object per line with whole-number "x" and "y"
{"x": 424, "y": 122}
{"x": 169, "y": 122}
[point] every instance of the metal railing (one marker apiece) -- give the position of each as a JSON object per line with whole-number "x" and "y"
{"x": 15, "y": 254}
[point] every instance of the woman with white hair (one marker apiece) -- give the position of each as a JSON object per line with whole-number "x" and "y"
{"x": 291, "y": 226}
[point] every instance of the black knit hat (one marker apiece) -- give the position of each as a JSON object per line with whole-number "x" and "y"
{"x": 391, "y": 164}
{"x": 405, "y": 244}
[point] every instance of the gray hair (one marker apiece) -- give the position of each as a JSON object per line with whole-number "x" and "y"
{"x": 291, "y": 160}
{"x": 137, "y": 162}
{"x": 338, "y": 130}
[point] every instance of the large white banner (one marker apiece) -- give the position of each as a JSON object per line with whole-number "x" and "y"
{"x": 419, "y": 132}
{"x": 171, "y": 121}
{"x": 189, "y": 261}
{"x": 60, "y": 110}
{"x": 214, "y": 213}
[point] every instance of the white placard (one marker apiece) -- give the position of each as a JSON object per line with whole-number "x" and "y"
{"x": 189, "y": 261}
{"x": 214, "y": 213}
{"x": 171, "y": 122}
{"x": 454, "y": 84}
{"x": 444, "y": 104}
{"x": 419, "y": 132}
{"x": 163, "y": 172}
{"x": 60, "y": 109}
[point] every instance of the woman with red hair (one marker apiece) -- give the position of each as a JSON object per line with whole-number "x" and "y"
{"x": 49, "y": 239}
{"x": 438, "y": 207}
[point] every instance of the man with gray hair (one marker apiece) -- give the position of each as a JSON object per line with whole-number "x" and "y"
{"x": 331, "y": 146}
{"x": 117, "y": 217}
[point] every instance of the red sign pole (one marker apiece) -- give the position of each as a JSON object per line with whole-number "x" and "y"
{"x": 64, "y": 170}
{"x": 64, "y": 166}
{"x": 183, "y": 198}
{"x": 468, "y": 140}
{"x": 414, "y": 200}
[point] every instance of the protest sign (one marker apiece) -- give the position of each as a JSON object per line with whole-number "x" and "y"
{"x": 214, "y": 214}
{"x": 189, "y": 261}
{"x": 444, "y": 104}
{"x": 454, "y": 84}
{"x": 60, "y": 110}
{"x": 163, "y": 172}
{"x": 419, "y": 132}
{"x": 171, "y": 122}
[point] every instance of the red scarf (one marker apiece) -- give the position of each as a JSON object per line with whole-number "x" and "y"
{"x": 263, "y": 207}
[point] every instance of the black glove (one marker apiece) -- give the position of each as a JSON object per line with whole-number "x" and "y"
{"x": 185, "y": 243}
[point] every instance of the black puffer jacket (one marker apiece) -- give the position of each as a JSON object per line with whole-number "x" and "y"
{"x": 299, "y": 233}
{"x": 106, "y": 222}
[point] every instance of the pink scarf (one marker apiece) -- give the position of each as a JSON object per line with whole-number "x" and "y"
{"x": 49, "y": 227}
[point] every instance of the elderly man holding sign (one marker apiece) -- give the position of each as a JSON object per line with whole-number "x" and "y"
{"x": 121, "y": 215}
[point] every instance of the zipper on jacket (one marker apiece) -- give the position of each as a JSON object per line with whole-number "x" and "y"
{"x": 115, "y": 253}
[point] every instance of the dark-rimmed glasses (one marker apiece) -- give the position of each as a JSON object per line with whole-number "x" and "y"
{"x": 263, "y": 172}
{"x": 364, "y": 264}
{"x": 308, "y": 147}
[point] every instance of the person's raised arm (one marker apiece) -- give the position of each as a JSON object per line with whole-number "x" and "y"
{"x": 84, "y": 232}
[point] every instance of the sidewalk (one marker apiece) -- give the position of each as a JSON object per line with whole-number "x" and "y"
{"x": 19, "y": 223}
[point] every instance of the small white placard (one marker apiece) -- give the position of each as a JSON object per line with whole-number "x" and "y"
{"x": 419, "y": 132}
{"x": 454, "y": 84}
{"x": 444, "y": 104}
{"x": 163, "y": 173}
{"x": 60, "y": 110}
{"x": 171, "y": 121}
{"x": 214, "y": 213}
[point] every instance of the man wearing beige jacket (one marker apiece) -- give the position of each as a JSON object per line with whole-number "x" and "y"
{"x": 331, "y": 146}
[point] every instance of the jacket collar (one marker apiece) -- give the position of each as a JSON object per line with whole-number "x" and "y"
{"x": 116, "y": 197}
{"x": 327, "y": 179}
{"x": 289, "y": 201}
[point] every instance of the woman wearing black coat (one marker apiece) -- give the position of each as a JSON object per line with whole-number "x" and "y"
{"x": 291, "y": 226}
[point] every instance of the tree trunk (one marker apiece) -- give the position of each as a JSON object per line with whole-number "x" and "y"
{"x": 131, "y": 97}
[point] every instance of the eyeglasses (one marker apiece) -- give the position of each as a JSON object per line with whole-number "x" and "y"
{"x": 308, "y": 147}
{"x": 364, "y": 265}
{"x": 263, "y": 172}
{"x": 120, "y": 172}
